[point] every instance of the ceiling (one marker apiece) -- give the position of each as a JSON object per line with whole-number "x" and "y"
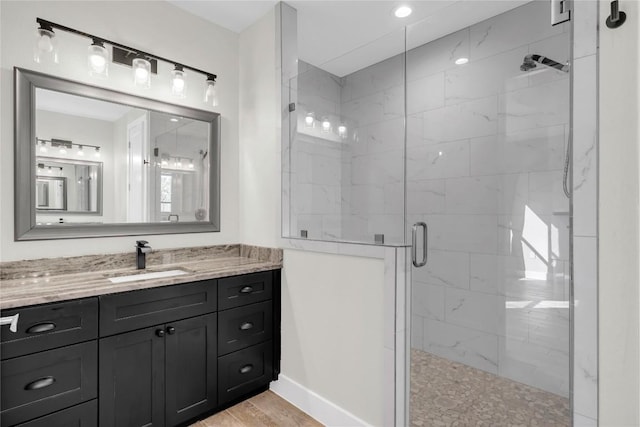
{"x": 344, "y": 36}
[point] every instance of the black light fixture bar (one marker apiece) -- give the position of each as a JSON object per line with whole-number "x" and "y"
{"x": 52, "y": 25}
{"x": 64, "y": 142}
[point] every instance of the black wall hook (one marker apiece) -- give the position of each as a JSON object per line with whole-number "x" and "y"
{"x": 617, "y": 17}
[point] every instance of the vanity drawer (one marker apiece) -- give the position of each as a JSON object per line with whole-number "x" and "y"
{"x": 247, "y": 289}
{"x": 244, "y": 326}
{"x": 42, "y": 383}
{"x": 140, "y": 309}
{"x": 83, "y": 415}
{"x": 43, "y": 327}
{"x": 244, "y": 371}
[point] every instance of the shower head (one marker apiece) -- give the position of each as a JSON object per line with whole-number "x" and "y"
{"x": 531, "y": 61}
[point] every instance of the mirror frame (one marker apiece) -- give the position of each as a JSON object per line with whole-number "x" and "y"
{"x": 25, "y": 84}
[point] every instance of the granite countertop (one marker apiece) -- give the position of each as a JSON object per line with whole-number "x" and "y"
{"x": 33, "y": 282}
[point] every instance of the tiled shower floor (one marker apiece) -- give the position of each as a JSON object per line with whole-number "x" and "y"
{"x": 446, "y": 393}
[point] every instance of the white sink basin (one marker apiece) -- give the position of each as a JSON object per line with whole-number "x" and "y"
{"x": 147, "y": 276}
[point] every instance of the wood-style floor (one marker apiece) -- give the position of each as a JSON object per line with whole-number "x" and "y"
{"x": 264, "y": 410}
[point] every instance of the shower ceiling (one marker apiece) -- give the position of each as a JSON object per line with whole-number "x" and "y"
{"x": 328, "y": 30}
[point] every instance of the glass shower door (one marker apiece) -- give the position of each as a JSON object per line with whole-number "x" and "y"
{"x": 485, "y": 154}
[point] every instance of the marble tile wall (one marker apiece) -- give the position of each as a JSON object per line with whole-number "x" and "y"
{"x": 317, "y": 170}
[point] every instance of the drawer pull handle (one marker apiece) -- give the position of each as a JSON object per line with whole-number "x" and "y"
{"x": 160, "y": 333}
{"x": 171, "y": 330}
{"x": 246, "y": 326}
{"x": 246, "y": 369}
{"x": 41, "y": 327}
{"x": 40, "y": 383}
{"x": 246, "y": 290}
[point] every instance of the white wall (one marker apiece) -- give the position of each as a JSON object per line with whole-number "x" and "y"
{"x": 156, "y": 27}
{"x": 332, "y": 329}
{"x": 619, "y": 319}
{"x": 259, "y": 134}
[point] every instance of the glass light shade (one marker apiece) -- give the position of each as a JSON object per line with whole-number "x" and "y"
{"x": 46, "y": 46}
{"x": 178, "y": 84}
{"x": 210, "y": 95}
{"x": 309, "y": 120}
{"x": 62, "y": 150}
{"x": 98, "y": 60}
{"x": 342, "y": 131}
{"x": 81, "y": 151}
{"x": 326, "y": 125}
{"x": 141, "y": 73}
{"x": 43, "y": 147}
{"x": 97, "y": 153}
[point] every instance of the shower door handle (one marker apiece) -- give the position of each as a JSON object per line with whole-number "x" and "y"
{"x": 414, "y": 244}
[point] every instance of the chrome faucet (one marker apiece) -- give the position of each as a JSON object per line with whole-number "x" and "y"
{"x": 142, "y": 248}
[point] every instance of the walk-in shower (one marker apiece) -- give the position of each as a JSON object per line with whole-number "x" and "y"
{"x": 453, "y": 129}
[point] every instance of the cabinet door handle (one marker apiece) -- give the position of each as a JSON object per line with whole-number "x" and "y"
{"x": 246, "y": 369}
{"x": 246, "y": 326}
{"x": 12, "y": 321}
{"x": 160, "y": 333}
{"x": 40, "y": 383}
{"x": 246, "y": 290}
{"x": 41, "y": 327}
{"x": 171, "y": 330}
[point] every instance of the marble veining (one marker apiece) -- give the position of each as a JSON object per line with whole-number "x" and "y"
{"x": 40, "y": 281}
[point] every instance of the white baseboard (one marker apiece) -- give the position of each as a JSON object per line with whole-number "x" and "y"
{"x": 314, "y": 405}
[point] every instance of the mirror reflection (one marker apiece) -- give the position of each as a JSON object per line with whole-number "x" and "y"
{"x": 67, "y": 186}
{"x": 117, "y": 163}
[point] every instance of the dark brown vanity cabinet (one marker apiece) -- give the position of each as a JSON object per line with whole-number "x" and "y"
{"x": 162, "y": 375}
{"x": 50, "y": 363}
{"x": 162, "y": 356}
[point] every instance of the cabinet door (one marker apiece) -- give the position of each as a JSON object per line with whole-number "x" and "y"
{"x": 131, "y": 390}
{"x": 191, "y": 368}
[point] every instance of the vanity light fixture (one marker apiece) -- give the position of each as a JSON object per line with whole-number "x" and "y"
{"x": 326, "y": 125}
{"x": 63, "y": 145}
{"x": 141, "y": 73}
{"x": 98, "y": 59}
{"x": 342, "y": 130}
{"x": 210, "y": 95}
{"x": 46, "y": 44}
{"x": 143, "y": 63}
{"x": 178, "y": 83}
{"x": 309, "y": 120}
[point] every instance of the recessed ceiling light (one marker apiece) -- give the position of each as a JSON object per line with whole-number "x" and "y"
{"x": 173, "y": 119}
{"x": 462, "y": 61}
{"x": 402, "y": 11}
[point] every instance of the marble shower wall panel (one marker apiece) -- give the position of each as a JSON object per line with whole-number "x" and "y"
{"x": 486, "y": 145}
{"x": 373, "y": 106}
{"x": 317, "y": 157}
